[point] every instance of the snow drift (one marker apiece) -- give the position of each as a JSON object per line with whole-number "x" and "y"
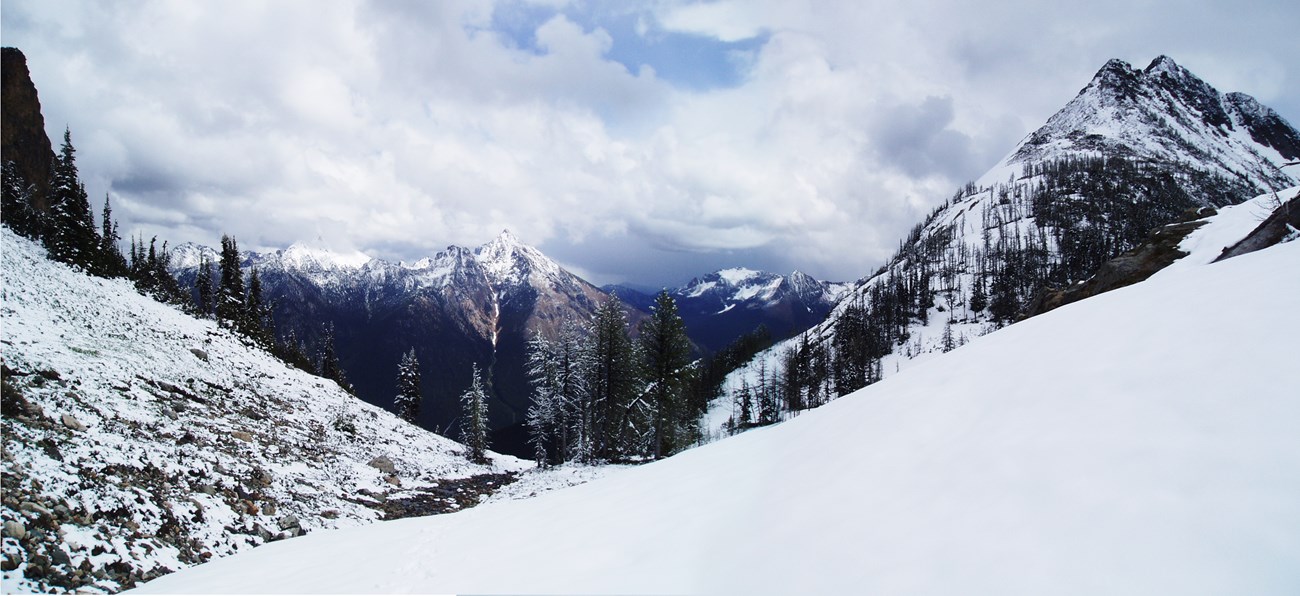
{"x": 1143, "y": 441}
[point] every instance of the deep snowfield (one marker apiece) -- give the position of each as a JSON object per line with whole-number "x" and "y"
{"x": 1145, "y": 441}
{"x": 154, "y": 440}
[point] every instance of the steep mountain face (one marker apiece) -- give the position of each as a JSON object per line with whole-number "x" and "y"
{"x": 723, "y": 305}
{"x": 139, "y": 440}
{"x": 458, "y": 308}
{"x": 22, "y": 127}
{"x": 1135, "y": 150}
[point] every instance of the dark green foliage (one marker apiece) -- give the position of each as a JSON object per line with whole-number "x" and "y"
{"x": 205, "y": 292}
{"x": 328, "y": 360}
{"x": 71, "y": 236}
{"x": 667, "y": 357}
{"x": 230, "y": 292}
{"x": 618, "y": 413}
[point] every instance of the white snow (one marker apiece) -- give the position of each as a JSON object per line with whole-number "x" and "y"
{"x": 1143, "y": 441}
{"x": 1231, "y": 224}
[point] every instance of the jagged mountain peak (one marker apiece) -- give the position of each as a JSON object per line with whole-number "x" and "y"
{"x": 512, "y": 262}
{"x": 1163, "y": 113}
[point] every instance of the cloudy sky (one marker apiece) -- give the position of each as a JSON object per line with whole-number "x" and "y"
{"x": 643, "y": 141}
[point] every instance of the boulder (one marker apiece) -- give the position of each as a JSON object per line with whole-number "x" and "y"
{"x": 15, "y": 529}
{"x": 200, "y": 354}
{"x": 383, "y": 464}
{"x": 71, "y": 422}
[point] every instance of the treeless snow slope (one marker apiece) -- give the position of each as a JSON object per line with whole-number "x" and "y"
{"x": 1145, "y": 441}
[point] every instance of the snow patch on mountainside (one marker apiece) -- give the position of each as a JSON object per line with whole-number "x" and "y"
{"x": 1141, "y": 441}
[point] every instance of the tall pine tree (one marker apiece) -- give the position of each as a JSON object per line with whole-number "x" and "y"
{"x": 617, "y": 414}
{"x": 230, "y": 292}
{"x": 667, "y": 358}
{"x": 70, "y": 236}
{"x": 408, "y": 399}
{"x": 474, "y": 419}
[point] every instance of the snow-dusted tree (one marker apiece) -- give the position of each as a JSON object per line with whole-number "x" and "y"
{"x": 948, "y": 343}
{"x": 545, "y": 416}
{"x": 328, "y": 360}
{"x": 667, "y": 358}
{"x": 16, "y": 209}
{"x": 258, "y": 321}
{"x": 230, "y": 292}
{"x": 70, "y": 236}
{"x": 474, "y": 419}
{"x": 408, "y": 388}
{"x": 112, "y": 263}
{"x": 768, "y": 407}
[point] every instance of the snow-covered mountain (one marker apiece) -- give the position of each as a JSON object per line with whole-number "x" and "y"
{"x": 1139, "y": 442}
{"x": 1164, "y": 113}
{"x": 459, "y": 307}
{"x": 721, "y": 306}
{"x": 1135, "y": 150}
{"x": 139, "y": 440}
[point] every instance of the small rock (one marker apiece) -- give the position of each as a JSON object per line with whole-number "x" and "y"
{"x": 200, "y": 354}
{"x": 10, "y": 562}
{"x": 393, "y": 480}
{"x": 170, "y": 413}
{"x": 242, "y": 435}
{"x": 262, "y": 532}
{"x": 34, "y": 508}
{"x": 71, "y": 422}
{"x": 14, "y": 529}
{"x": 268, "y": 508}
{"x": 288, "y": 522}
{"x": 383, "y": 464}
{"x": 59, "y": 556}
{"x": 330, "y": 514}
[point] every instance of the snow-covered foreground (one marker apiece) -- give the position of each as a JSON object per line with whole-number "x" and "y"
{"x": 1144, "y": 441}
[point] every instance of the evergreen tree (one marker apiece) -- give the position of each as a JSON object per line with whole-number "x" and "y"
{"x": 474, "y": 419}
{"x": 667, "y": 357}
{"x": 230, "y": 292}
{"x": 408, "y": 388}
{"x": 71, "y": 237}
{"x": 329, "y": 366}
{"x": 544, "y": 419}
{"x": 257, "y": 320}
{"x": 112, "y": 263}
{"x": 618, "y": 415}
{"x": 16, "y": 208}
{"x": 978, "y": 299}
{"x": 205, "y": 299}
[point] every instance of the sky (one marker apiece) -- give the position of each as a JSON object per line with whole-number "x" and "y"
{"x": 645, "y": 142}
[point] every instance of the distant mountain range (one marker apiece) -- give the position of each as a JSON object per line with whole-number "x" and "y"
{"x": 480, "y": 306}
{"x": 723, "y": 305}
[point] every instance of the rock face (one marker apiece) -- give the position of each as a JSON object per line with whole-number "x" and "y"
{"x": 1282, "y": 224}
{"x": 22, "y": 127}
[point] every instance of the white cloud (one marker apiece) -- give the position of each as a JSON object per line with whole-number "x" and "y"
{"x": 399, "y": 128}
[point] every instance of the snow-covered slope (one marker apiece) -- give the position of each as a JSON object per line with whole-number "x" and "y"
{"x": 139, "y": 440}
{"x": 1139, "y": 442}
